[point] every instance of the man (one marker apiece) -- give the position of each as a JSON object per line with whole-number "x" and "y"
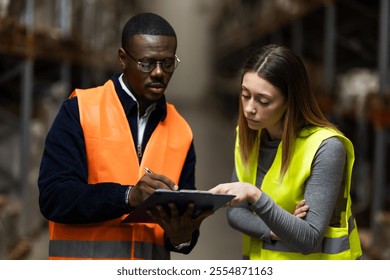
{"x": 93, "y": 166}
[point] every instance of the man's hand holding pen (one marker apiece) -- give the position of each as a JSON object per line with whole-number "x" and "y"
{"x": 147, "y": 185}
{"x": 177, "y": 226}
{"x": 174, "y": 187}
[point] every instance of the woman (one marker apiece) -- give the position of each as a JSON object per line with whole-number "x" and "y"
{"x": 291, "y": 152}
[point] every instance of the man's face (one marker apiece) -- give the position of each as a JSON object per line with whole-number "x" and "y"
{"x": 147, "y": 87}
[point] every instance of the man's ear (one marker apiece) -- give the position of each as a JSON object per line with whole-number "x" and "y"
{"x": 122, "y": 58}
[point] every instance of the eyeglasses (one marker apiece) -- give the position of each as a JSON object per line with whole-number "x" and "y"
{"x": 147, "y": 65}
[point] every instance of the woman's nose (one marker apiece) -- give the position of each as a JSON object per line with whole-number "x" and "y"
{"x": 250, "y": 108}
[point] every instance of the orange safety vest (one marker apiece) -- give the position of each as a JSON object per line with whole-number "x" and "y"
{"x": 112, "y": 157}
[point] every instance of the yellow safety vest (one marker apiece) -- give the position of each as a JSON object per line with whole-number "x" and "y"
{"x": 338, "y": 243}
{"x": 112, "y": 157}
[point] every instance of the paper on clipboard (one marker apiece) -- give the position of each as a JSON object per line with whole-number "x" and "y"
{"x": 203, "y": 200}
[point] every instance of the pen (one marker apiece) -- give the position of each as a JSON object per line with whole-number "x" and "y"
{"x": 148, "y": 170}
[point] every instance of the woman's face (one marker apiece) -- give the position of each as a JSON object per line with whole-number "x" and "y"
{"x": 263, "y": 105}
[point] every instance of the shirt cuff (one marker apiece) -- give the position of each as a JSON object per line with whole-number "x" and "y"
{"x": 182, "y": 245}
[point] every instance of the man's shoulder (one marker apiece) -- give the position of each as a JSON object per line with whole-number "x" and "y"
{"x": 173, "y": 115}
{"x": 173, "y": 112}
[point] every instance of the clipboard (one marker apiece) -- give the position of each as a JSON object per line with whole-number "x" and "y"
{"x": 203, "y": 200}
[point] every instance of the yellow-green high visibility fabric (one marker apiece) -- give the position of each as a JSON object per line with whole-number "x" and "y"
{"x": 339, "y": 243}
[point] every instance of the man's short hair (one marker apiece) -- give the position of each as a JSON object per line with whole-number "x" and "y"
{"x": 146, "y": 24}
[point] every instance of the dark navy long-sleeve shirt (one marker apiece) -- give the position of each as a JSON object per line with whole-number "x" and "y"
{"x": 65, "y": 195}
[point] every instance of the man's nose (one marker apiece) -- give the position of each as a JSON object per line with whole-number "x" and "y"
{"x": 158, "y": 70}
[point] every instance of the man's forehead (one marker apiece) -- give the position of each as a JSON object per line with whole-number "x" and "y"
{"x": 155, "y": 43}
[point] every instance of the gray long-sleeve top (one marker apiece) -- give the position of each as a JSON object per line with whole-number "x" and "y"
{"x": 322, "y": 190}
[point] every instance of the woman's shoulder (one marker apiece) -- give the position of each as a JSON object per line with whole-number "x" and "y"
{"x": 332, "y": 146}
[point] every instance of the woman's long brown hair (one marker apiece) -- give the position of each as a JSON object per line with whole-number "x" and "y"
{"x": 286, "y": 71}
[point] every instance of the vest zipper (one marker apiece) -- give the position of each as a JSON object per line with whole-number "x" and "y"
{"x": 139, "y": 151}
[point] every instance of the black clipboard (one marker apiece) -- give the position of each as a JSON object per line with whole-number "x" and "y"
{"x": 203, "y": 200}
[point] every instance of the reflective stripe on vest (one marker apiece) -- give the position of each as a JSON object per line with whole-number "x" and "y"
{"x": 106, "y": 250}
{"x": 328, "y": 245}
{"x": 338, "y": 243}
{"x": 111, "y": 156}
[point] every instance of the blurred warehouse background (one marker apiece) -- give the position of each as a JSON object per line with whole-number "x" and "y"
{"x": 49, "y": 47}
